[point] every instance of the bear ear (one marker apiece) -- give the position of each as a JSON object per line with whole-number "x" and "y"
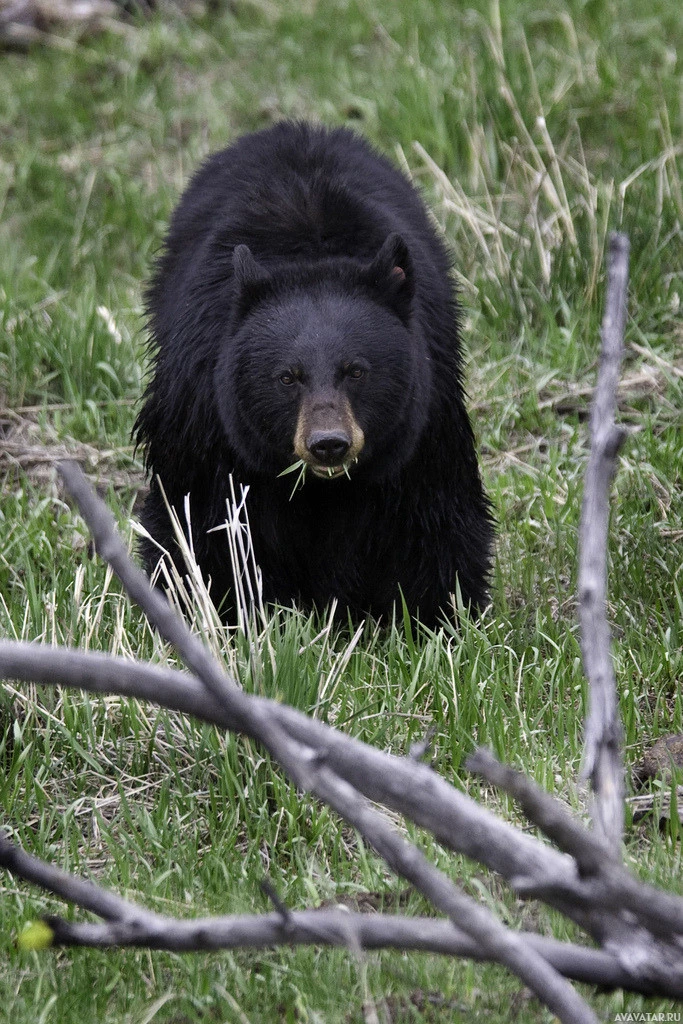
{"x": 391, "y": 274}
{"x": 251, "y": 282}
{"x": 245, "y": 267}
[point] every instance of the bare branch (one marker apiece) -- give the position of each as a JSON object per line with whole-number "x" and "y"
{"x": 71, "y": 888}
{"x": 545, "y": 811}
{"x": 111, "y": 548}
{"x": 499, "y": 942}
{"x": 334, "y": 928}
{"x": 129, "y": 924}
{"x": 408, "y": 787}
{"x": 608, "y": 885}
{"x": 602, "y": 753}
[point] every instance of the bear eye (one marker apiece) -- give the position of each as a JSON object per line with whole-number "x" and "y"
{"x": 355, "y": 372}
{"x": 287, "y": 379}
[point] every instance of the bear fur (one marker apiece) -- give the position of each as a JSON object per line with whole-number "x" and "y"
{"x": 303, "y": 309}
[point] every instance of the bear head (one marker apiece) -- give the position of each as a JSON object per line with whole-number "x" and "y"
{"x": 324, "y": 362}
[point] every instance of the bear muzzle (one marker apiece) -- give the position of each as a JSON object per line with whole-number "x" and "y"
{"x": 328, "y": 438}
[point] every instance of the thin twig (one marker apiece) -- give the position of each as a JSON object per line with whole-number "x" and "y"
{"x": 75, "y": 890}
{"x": 608, "y": 885}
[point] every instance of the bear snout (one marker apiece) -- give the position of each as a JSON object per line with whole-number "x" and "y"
{"x": 328, "y": 447}
{"x": 328, "y": 437}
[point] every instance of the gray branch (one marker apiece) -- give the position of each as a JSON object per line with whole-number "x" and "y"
{"x": 75, "y": 890}
{"x": 607, "y": 884}
{"x": 554, "y": 820}
{"x": 129, "y": 924}
{"x": 603, "y": 742}
{"x": 345, "y": 928}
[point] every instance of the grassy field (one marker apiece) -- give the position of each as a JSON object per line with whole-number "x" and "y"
{"x": 533, "y": 132}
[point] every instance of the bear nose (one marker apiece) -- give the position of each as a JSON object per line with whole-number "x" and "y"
{"x": 328, "y": 446}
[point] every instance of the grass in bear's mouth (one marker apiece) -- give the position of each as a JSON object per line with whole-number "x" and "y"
{"x": 299, "y": 466}
{"x": 330, "y": 472}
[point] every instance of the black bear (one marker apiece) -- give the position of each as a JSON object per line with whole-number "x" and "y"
{"x": 303, "y": 309}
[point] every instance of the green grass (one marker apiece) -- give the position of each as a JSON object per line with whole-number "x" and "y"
{"x": 101, "y": 137}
